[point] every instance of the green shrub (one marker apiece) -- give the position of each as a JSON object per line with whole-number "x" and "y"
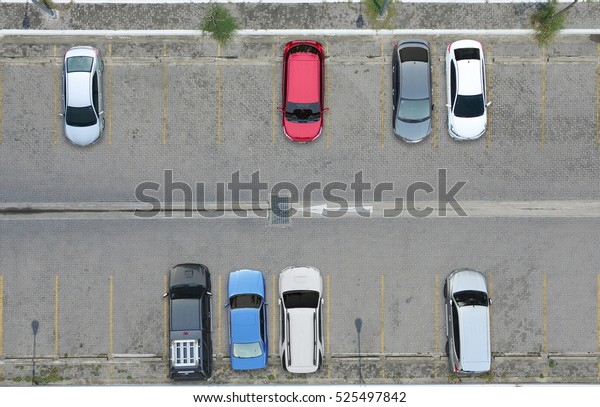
{"x": 220, "y": 24}
{"x": 546, "y": 22}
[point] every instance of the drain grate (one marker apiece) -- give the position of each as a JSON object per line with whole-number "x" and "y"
{"x": 280, "y": 210}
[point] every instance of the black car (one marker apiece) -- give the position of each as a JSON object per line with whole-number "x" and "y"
{"x": 190, "y": 322}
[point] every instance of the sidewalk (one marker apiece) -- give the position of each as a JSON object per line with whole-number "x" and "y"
{"x": 187, "y": 16}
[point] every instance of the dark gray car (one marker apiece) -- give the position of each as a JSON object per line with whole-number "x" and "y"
{"x": 412, "y": 90}
{"x": 190, "y": 322}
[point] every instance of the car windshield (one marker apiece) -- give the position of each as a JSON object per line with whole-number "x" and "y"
{"x": 187, "y": 291}
{"x": 80, "y": 116}
{"x": 303, "y": 112}
{"x": 245, "y": 301}
{"x": 247, "y": 350}
{"x": 80, "y": 64}
{"x": 413, "y": 110}
{"x": 463, "y": 298}
{"x": 301, "y": 299}
{"x": 468, "y": 106}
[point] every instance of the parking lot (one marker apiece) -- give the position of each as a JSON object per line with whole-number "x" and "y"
{"x": 95, "y": 285}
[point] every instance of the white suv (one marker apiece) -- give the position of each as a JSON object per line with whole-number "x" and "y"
{"x": 466, "y": 94}
{"x": 467, "y": 322}
{"x": 301, "y": 333}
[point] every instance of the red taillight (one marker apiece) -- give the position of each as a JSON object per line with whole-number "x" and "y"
{"x": 186, "y": 333}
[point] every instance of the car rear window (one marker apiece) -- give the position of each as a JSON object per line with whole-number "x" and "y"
{"x": 303, "y": 48}
{"x": 80, "y": 116}
{"x": 466, "y": 53}
{"x": 301, "y": 299}
{"x": 413, "y": 54}
{"x": 469, "y": 297}
{"x": 469, "y": 106}
{"x": 80, "y": 64}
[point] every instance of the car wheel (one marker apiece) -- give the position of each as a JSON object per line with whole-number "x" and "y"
{"x": 447, "y": 348}
{"x": 446, "y": 289}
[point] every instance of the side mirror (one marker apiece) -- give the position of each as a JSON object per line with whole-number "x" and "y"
{"x": 102, "y": 112}
{"x": 432, "y": 106}
{"x": 226, "y": 305}
{"x": 279, "y": 301}
{"x": 165, "y": 295}
{"x": 325, "y": 110}
{"x": 280, "y": 109}
{"x": 447, "y": 105}
{"x": 490, "y": 301}
{"x": 488, "y": 103}
{"x": 61, "y": 114}
{"x": 209, "y": 293}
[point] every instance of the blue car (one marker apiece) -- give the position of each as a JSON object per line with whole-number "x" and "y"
{"x": 247, "y": 320}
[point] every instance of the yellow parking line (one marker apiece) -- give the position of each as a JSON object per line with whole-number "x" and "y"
{"x": 219, "y": 314}
{"x": 55, "y": 69}
{"x": 165, "y": 95}
{"x": 1, "y": 80}
{"x": 382, "y": 99}
{"x": 2, "y": 314}
{"x": 274, "y": 314}
{"x": 489, "y": 95}
{"x": 327, "y": 345}
{"x": 382, "y": 314}
{"x": 436, "y": 313}
{"x": 110, "y": 315}
{"x": 544, "y": 316}
{"x": 165, "y": 322}
{"x": 56, "y": 314}
{"x": 544, "y": 69}
{"x": 274, "y": 94}
{"x": 434, "y": 84}
{"x": 328, "y": 117}
{"x": 218, "y": 97}
{"x": 110, "y": 96}
{"x": 598, "y": 101}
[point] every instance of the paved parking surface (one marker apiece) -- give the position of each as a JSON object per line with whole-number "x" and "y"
{"x": 205, "y": 118}
{"x": 542, "y": 275}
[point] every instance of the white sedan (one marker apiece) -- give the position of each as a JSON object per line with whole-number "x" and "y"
{"x": 466, "y": 93}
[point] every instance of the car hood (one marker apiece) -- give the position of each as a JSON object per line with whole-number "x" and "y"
{"x": 412, "y": 132}
{"x": 300, "y": 278}
{"x": 302, "y": 132}
{"x": 468, "y": 280}
{"x": 258, "y": 362}
{"x": 469, "y": 127}
{"x": 246, "y": 282}
{"x": 83, "y": 136}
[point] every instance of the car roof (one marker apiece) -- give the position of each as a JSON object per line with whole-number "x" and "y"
{"x": 469, "y": 77}
{"x": 79, "y": 92}
{"x": 303, "y": 77}
{"x": 474, "y": 337}
{"x": 301, "y": 337}
{"x": 245, "y": 325}
{"x": 414, "y": 80}
{"x": 246, "y": 282}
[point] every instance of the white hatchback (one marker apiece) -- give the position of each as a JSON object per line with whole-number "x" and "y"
{"x": 300, "y": 305}
{"x": 465, "y": 89}
{"x": 82, "y": 95}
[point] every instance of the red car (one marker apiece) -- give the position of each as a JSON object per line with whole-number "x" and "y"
{"x": 302, "y": 90}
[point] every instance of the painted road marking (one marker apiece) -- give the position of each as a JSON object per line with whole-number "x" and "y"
{"x": 274, "y": 99}
{"x": 1, "y": 81}
{"x": 433, "y": 115}
{"x": 55, "y": 71}
{"x": 56, "y": 314}
{"x": 274, "y": 314}
{"x": 110, "y": 95}
{"x": 165, "y": 322}
{"x": 382, "y": 99}
{"x": 544, "y": 347}
{"x": 489, "y": 95}
{"x": 219, "y": 315}
{"x": 218, "y": 96}
{"x": 110, "y": 315}
{"x": 328, "y": 96}
{"x": 165, "y": 94}
{"x": 544, "y": 70}
{"x": 2, "y": 314}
